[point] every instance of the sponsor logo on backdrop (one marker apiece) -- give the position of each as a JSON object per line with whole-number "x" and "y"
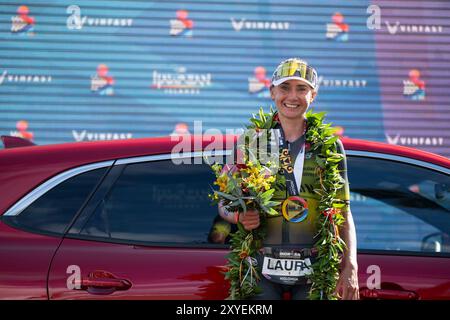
{"x": 23, "y": 23}
{"x": 402, "y": 140}
{"x": 76, "y": 21}
{"x": 181, "y": 82}
{"x": 102, "y": 83}
{"x": 339, "y": 131}
{"x": 259, "y": 84}
{"x": 342, "y": 83}
{"x": 397, "y": 27}
{"x": 6, "y": 77}
{"x": 338, "y": 30}
{"x": 85, "y": 135}
{"x": 22, "y": 131}
{"x": 181, "y": 26}
{"x": 244, "y": 24}
{"x": 414, "y": 87}
{"x": 180, "y": 129}
{"x": 374, "y": 23}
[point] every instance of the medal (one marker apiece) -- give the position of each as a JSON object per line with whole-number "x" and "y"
{"x": 295, "y": 209}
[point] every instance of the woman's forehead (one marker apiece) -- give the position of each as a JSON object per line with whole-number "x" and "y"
{"x": 296, "y": 83}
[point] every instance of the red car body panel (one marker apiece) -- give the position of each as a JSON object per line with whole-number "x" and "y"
{"x": 397, "y": 279}
{"x": 24, "y": 263}
{"x": 159, "y": 272}
{"x": 154, "y": 272}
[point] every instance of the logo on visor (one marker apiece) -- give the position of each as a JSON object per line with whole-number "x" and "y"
{"x": 181, "y": 26}
{"x": 259, "y": 84}
{"x": 23, "y": 23}
{"x": 414, "y": 87}
{"x": 338, "y": 30}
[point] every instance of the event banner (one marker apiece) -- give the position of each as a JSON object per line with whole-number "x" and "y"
{"x": 99, "y": 70}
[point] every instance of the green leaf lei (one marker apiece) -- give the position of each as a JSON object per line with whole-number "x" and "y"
{"x": 245, "y": 245}
{"x": 329, "y": 244}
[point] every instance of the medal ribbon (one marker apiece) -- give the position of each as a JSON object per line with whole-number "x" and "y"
{"x": 293, "y": 175}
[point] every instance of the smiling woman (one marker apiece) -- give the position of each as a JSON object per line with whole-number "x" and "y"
{"x": 310, "y": 154}
{"x": 294, "y": 87}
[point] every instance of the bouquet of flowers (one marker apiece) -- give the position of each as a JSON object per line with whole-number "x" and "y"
{"x": 242, "y": 187}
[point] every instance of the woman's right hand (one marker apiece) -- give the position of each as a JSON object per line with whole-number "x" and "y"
{"x": 250, "y": 219}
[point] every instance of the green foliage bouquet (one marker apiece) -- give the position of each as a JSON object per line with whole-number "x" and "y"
{"x": 243, "y": 187}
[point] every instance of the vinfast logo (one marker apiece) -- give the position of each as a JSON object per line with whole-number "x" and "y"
{"x": 102, "y": 83}
{"x": 76, "y": 21}
{"x": 244, "y": 24}
{"x": 181, "y": 26}
{"x": 414, "y": 140}
{"x": 23, "y": 23}
{"x": 259, "y": 84}
{"x": 338, "y": 30}
{"x": 3, "y": 77}
{"x": 85, "y": 135}
{"x": 6, "y": 77}
{"x": 397, "y": 27}
{"x": 342, "y": 83}
{"x": 22, "y": 131}
{"x": 414, "y": 87}
{"x": 181, "y": 82}
{"x": 374, "y": 23}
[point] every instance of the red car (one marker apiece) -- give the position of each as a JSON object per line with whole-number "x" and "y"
{"x": 121, "y": 220}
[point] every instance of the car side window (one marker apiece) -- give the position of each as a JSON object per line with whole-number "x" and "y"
{"x": 398, "y": 206}
{"x": 53, "y": 211}
{"x": 156, "y": 202}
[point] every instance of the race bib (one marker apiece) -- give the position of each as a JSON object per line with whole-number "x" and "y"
{"x": 286, "y": 267}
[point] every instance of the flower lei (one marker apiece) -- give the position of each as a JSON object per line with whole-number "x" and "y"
{"x": 245, "y": 245}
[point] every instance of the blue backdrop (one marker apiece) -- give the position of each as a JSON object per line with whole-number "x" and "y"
{"x": 89, "y": 70}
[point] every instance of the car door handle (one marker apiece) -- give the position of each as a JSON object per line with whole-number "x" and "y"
{"x": 388, "y": 294}
{"x": 119, "y": 284}
{"x": 104, "y": 282}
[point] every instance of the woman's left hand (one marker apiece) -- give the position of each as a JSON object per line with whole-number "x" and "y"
{"x": 347, "y": 287}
